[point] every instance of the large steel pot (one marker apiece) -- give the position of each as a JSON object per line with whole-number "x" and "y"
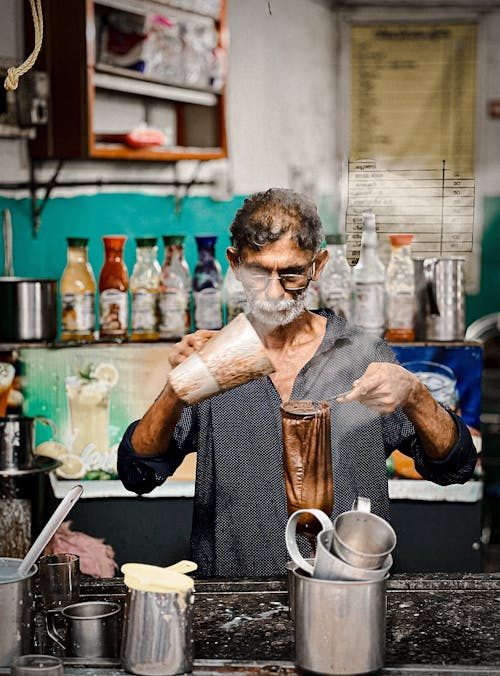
{"x": 29, "y": 309}
{"x": 339, "y": 625}
{"x": 16, "y": 611}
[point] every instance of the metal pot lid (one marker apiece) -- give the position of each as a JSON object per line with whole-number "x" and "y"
{"x": 40, "y": 464}
{"x": 20, "y": 280}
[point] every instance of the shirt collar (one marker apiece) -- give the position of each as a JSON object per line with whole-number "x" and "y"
{"x": 337, "y": 328}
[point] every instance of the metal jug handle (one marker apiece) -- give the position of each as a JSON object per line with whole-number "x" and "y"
{"x": 291, "y": 535}
{"x": 48, "y": 423}
{"x": 52, "y": 631}
{"x": 429, "y": 267}
{"x": 361, "y": 505}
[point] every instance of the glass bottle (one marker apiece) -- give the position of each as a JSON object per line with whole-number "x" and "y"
{"x": 234, "y": 295}
{"x": 77, "y": 289}
{"x": 336, "y": 279}
{"x": 369, "y": 282}
{"x": 177, "y": 244}
{"x": 207, "y": 285}
{"x": 173, "y": 297}
{"x": 144, "y": 285}
{"x": 400, "y": 290}
{"x": 113, "y": 289}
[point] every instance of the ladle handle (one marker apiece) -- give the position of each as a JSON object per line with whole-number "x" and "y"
{"x": 50, "y": 528}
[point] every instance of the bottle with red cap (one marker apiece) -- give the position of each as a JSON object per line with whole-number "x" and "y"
{"x": 113, "y": 289}
{"x": 400, "y": 290}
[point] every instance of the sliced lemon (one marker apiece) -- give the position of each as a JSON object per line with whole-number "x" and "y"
{"x": 7, "y": 373}
{"x": 51, "y": 449}
{"x": 107, "y": 372}
{"x": 15, "y": 398}
{"x": 72, "y": 467}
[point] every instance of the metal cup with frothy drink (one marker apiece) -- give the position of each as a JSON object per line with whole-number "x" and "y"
{"x": 234, "y": 356}
{"x": 158, "y": 618}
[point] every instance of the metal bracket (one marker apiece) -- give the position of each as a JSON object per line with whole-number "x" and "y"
{"x": 37, "y": 209}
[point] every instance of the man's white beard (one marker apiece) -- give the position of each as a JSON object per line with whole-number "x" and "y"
{"x": 276, "y": 312}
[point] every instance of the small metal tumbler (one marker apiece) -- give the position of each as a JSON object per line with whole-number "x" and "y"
{"x": 157, "y": 633}
{"x": 36, "y": 665}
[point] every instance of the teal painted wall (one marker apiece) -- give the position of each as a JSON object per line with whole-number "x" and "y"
{"x": 134, "y": 215}
{"x": 488, "y": 299}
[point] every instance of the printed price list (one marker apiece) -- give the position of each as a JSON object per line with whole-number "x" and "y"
{"x": 434, "y": 204}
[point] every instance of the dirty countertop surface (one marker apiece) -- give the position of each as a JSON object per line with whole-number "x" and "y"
{"x": 440, "y": 624}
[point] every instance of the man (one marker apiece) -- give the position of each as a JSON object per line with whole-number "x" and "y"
{"x": 240, "y": 507}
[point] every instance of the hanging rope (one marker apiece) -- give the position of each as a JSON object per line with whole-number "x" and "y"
{"x": 14, "y": 73}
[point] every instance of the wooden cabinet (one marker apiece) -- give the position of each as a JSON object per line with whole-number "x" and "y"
{"x": 176, "y": 86}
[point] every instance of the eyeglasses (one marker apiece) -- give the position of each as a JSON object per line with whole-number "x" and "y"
{"x": 289, "y": 281}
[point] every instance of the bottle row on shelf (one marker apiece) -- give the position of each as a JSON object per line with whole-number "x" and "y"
{"x": 161, "y": 297}
{"x": 167, "y": 302}
{"x": 380, "y": 300}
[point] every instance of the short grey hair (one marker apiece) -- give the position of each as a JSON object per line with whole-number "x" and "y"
{"x": 254, "y": 225}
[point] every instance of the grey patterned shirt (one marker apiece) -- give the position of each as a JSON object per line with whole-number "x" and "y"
{"x": 240, "y": 507}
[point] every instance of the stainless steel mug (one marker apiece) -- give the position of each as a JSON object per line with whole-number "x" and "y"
{"x": 339, "y": 625}
{"x": 445, "y": 285}
{"x": 29, "y": 309}
{"x": 17, "y": 441}
{"x": 363, "y": 539}
{"x": 91, "y": 629}
{"x": 16, "y": 611}
{"x": 157, "y": 633}
{"x": 357, "y": 546}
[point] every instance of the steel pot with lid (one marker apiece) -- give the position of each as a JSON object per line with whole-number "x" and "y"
{"x": 29, "y": 309}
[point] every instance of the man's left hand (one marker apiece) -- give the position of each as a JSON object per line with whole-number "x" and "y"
{"x": 383, "y": 387}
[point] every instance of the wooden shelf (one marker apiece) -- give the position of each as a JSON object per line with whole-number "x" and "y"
{"x": 131, "y": 82}
{"x": 113, "y": 152}
{"x": 83, "y": 91}
{"x": 151, "y": 6}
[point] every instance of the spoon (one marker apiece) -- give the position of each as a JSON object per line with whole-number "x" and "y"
{"x": 50, "y": 528}
{"x": 182, "y": 567}
{"x": 342, "y": 394}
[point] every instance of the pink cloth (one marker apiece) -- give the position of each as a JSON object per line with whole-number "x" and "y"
{"x": 96, "y": 558}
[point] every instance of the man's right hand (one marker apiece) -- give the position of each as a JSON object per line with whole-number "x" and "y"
{"x": 193, "y": 342}
{"x": 154, "y": 431}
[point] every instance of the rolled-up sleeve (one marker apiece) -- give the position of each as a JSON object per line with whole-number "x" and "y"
{"x": 456, "y": 468}
{"x": 140, "y": 473}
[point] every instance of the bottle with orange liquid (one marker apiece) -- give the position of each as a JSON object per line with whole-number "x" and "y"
{"x": 113, "y": 289}
{"x": 400, "y": 290}
{"x": 77, "y": 293}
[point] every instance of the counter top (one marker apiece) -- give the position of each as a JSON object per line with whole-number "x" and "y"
{"x": 400, "y": 489}
{"x": 437, "y": 624}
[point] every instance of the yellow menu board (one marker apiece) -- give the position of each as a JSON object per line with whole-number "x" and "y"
{"x": 412, "y": 134}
